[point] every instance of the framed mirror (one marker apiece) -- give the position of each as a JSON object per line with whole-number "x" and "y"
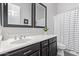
{"x": 18, "y": 15}
{"x": 40, "y": 20}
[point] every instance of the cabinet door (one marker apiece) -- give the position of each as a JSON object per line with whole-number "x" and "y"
{"x": 37, "y": 53}
{"x": 45, "y": 51}
{"x": 53, "y": 49}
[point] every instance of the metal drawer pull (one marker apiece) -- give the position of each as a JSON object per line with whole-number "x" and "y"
{"x": 27, "y": 52}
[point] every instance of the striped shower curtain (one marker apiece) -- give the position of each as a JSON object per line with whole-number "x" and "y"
{"x": 67, "y": 28}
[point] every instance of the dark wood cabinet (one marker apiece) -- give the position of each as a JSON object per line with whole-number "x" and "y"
{"x": 53, "y": 46}
{"x": 52, "y": 49}
{"x": 25, "y": 51}
{"x": 45, "y": 51}
{"x": 44, "y": 48}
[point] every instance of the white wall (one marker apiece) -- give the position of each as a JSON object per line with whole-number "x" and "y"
{"x": 62, "y": 7}
{"x": 51, "y": 11}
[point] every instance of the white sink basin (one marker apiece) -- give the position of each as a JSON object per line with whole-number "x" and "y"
{"x": 20, "y": 41}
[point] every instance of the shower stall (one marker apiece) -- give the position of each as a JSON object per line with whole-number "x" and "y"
{"x": 66, "y": 26}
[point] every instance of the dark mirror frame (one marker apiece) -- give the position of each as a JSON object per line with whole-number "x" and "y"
{"x": 1, "y": 14}
{"x": 35, "y": 16}
{"x": 5, "y": 17}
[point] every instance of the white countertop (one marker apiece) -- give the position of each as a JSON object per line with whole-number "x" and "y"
{"x": 5, "y": 47}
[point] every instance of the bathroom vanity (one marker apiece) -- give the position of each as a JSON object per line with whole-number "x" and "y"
{"x": 32, "y": 15}
{"x": 44, "y": 47}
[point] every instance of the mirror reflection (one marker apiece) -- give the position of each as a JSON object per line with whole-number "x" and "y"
{"x": 19, "y": 13}
{"x": 40, "y": 15}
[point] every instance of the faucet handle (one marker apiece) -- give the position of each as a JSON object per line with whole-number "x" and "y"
{"x": 16, "y": 37}
{"x": 22, "y": 36}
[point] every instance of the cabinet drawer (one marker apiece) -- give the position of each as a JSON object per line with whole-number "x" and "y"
{"x": 26, "y": 51}
{"x": 37, "y": 53}
{"x": 54, "y": 39}
{"x": 44, "y": 43}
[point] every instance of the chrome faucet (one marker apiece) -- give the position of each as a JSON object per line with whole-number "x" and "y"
{"x": 22, "y": 36}
{"x": 19, "y": 36}
{"x": 16, "y": 36}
